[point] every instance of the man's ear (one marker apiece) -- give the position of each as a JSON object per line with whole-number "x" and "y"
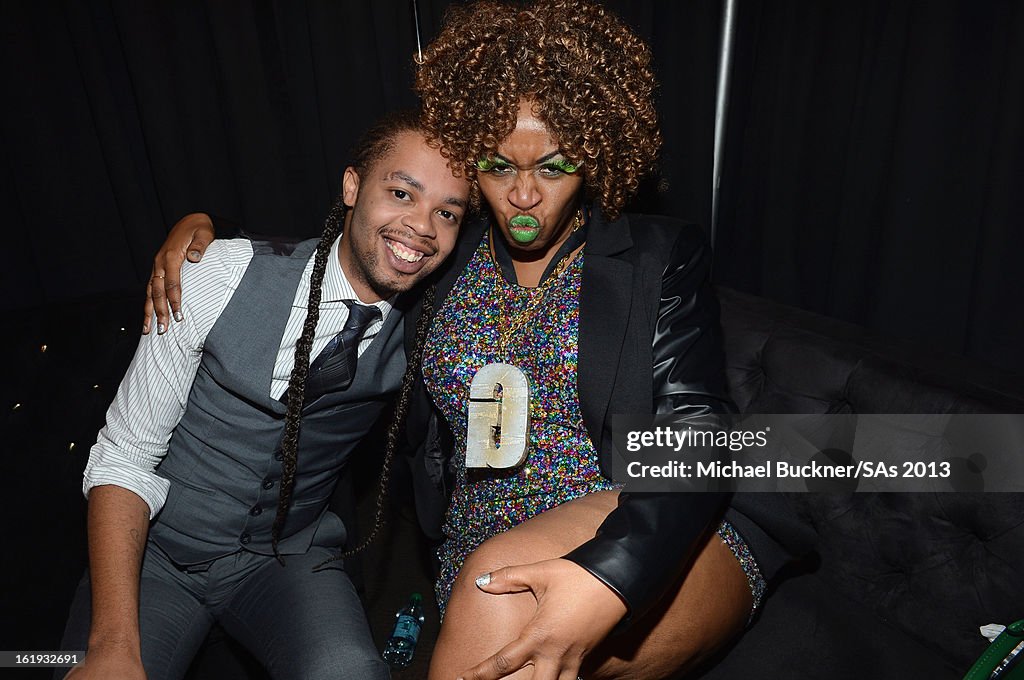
{"x": 350, "y": 186}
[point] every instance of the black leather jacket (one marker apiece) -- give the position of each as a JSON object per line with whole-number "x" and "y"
{"x": 649, "y": 343}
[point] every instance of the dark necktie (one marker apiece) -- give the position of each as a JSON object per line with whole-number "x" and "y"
{"x": 335, "y": 366}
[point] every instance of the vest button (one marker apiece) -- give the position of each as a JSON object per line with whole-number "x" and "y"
{"x": 244, "y": 539}
{"x": 256, "y": 511}
{"x": 268, "y": 483}
{"x": 279, "y": 456}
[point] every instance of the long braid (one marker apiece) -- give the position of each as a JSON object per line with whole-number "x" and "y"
{"x": 375, "y": 144}
{"x": 397, "y": 425}
{"x": 297, "y": 382}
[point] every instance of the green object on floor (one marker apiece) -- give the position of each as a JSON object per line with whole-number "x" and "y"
{"x": 1004, "y": 658}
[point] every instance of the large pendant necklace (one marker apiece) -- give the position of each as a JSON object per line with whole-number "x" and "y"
{"x": 498, "y": 421}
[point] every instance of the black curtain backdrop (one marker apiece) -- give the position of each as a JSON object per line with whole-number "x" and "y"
{"x": 874, "y": 155}
{"x": 875, "y": 168}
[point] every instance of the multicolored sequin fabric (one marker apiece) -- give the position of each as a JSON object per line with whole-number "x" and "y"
{"x": 561, "y": 463}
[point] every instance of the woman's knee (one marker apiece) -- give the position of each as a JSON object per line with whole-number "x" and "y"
{"x": 496, "y": 552}
{"x": 468, "y": 602}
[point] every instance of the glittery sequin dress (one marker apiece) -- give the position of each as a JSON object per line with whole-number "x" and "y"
{"x": 561, "y": 461}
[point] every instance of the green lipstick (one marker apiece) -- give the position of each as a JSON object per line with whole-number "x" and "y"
{"x": 523, "y": 228}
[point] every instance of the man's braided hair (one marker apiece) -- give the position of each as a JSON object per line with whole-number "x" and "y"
{"x": 378, "y": 141}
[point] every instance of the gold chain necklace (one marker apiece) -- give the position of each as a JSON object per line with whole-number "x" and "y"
{"x": 508, "y": 327}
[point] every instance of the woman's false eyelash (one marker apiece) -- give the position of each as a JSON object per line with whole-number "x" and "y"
{"x": 489, "y": 164}
{"x": 551, "y": 167}
{"x": 561, "y": 165}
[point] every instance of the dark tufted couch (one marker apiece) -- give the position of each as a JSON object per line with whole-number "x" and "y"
{"x": 896, "y": 585}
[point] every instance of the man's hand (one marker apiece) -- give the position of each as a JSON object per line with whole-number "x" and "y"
{"x": 575, "y": 612}
{"x": 189, "y": 237}
{"x": 109, "y": 661}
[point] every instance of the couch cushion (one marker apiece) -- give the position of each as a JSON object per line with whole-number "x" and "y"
{"x": 933, "y": 567}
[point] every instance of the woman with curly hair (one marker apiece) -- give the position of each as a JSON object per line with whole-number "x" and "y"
{"x": 548, "y": 109}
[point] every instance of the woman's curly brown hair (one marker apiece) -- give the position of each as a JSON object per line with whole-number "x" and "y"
{"x": 588, "y": 74}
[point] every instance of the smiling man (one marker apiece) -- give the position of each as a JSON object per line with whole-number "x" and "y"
{"x": 205, "y": 505}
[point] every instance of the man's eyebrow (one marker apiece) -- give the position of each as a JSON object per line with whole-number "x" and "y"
{"x": 399, "y": 175}
{"x": 418, "y": 186}
{"x": 542, "y": 159}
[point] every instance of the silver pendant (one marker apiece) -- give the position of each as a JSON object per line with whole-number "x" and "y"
{"x": 499, "y": 417}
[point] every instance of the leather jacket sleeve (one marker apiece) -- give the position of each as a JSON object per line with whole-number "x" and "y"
{"x": 645, "y": 544}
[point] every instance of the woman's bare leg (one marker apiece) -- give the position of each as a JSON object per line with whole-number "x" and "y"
{"x": 704, "y": 611}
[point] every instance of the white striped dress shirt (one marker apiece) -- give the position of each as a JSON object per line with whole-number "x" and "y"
{"x": 152, "y": 397}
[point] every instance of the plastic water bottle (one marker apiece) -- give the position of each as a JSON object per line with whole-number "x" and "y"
{"x": 401, "y": 645}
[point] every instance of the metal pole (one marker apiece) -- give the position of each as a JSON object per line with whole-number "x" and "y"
{"x": 722, "y": 104}
{"x": 416, "y": 21}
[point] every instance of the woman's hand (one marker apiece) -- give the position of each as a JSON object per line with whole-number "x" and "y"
{"x": 575, "y": 612}
{"x": 189, "y": 238}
